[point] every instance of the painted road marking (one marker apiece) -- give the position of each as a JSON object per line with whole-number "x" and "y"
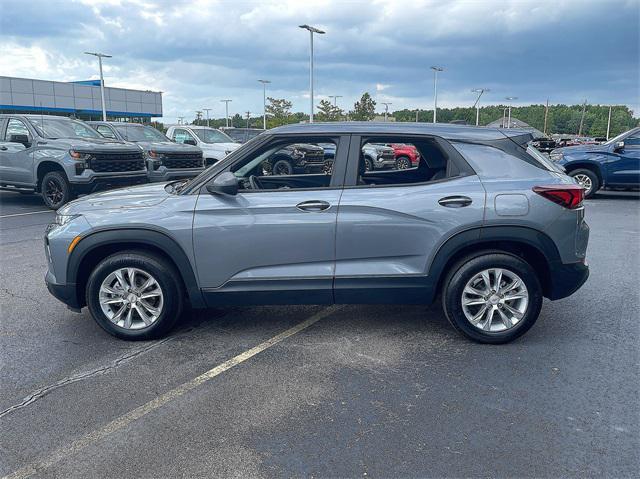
{"x": 137, "y": 413}
{"x": 29, "y": 213}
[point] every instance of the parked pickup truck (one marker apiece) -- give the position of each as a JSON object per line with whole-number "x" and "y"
{"x": 61, "y": 158}
{"x": 215, "y": 144}
{"x": 166, "y": 160}
{"x": 297, "y": 158}
{"x": 378, "y": 157}
{"x": 615, "y": 163}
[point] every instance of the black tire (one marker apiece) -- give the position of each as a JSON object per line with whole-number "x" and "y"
{"x": 403, "y": 163}
{"x": 593, "y": 178}
{"x": 162, "y": 271}
{"x": 55, "y": 190}
{"x": 464, "y": 271}
{"x": 368, "y": 164}
{"x": 282, "y": 168}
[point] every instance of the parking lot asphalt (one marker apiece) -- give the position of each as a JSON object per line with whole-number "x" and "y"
{"x": 352, "y": 391}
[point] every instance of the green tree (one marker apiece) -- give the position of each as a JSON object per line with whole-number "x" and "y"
{"x": 364, "y": 109}
{"x": 278, "y": 110}
{"x": 328, "y": 112}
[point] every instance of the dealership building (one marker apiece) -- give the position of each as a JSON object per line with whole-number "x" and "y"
{"x": 79, "y": 99}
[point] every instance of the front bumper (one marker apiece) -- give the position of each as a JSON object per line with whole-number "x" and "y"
{"x": 67, "y": 293}
{"x": 96, "y": 182}
{"x": 566, "y": 279}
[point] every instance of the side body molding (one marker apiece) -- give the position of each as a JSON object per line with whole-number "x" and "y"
{"x": 138, "y": 236}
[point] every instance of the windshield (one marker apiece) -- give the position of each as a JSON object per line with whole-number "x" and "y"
{"x": 212, "y": 136}
{"x": 140, "y": 133}
{"x": 58, "y": 128}
{"x": 618, "y": 138}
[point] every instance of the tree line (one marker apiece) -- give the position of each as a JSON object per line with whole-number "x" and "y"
{"x": 561, "y": 119}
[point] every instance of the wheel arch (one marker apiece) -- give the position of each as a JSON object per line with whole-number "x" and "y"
{"x": 534, "y": 246}
{"x": 588, "y": 165}
{"x": 45, "y": 167}
{"x": 98, "y": 245}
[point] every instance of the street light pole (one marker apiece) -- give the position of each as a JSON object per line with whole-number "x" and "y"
{"x": 479, "y": 91}
{"x": 435, "y": 89}
{"x": 386, "y": 109}
{"x": 312, "y": 30}
{"x": 609, "y": 123}
{"x": 510, "y": 99}
{"x": 207, "y": 110}
{"x": 264, "y": 103}
{"x": 100, "y": 57}
{"x": 226, "y": 110}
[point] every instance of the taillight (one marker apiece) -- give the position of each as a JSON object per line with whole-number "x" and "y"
{"x": 568, "y": 196}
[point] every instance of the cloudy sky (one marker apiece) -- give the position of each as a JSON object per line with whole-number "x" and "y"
{"x": 198, "y": 52}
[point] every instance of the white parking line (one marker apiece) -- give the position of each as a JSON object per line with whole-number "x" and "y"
{"x": 25, "y": 214}
{"x": 163, "y": 399}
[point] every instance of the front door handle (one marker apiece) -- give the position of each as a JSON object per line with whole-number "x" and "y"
{"x": 313, "y": 205}
{"x": 455, "y": 201}
{"x": 3, "y": 148}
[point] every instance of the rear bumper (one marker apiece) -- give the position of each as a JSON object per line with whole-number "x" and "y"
{"x": 566, "y": 279}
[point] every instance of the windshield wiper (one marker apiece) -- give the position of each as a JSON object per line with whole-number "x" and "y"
{"x": 179, "y": 185}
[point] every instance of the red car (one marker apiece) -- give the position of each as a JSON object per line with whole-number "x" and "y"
{"x": 407, "y": 156}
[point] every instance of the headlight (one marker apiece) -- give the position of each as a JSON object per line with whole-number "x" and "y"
{"x": 62, "y": 220}
{"x": 556, "y": 156}
{"x": 78, "y": 155}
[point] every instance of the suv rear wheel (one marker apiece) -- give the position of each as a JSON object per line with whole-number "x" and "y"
{"x": 492, "y": 298}
{"x": 55, "y": 190}
{"x": 133, "y": 295}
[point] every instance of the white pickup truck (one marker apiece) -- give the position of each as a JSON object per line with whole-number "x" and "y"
{"x": 215, "y": 145}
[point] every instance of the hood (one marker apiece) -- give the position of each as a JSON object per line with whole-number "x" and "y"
{"x": 220, "y": 146}
{"x": 97, "y": 144}
{"x": 167, "y": 147}
{"x": 131, "y": 197}
{"x": 571, "y": 150}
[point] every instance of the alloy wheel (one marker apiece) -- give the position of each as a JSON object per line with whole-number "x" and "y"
{"x": 131, "y": 298}
{"x": 584, "y": 181}
{"x": 495, "y": 300}
{"x": 403, "y": 163}
{"x": 53, "y": 190}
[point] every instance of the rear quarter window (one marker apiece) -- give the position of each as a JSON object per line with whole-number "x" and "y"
{"x": 492, "y": 162}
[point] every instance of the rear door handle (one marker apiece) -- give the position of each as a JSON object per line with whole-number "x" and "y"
{"x": 313, "y": 205}
{"x": 455, "y": 201}
{"x": 3, "y": 148}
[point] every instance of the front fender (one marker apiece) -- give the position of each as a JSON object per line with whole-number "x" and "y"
{"x": 132, "y": 237}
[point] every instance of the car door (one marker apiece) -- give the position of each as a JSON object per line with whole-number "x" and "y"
{"x": 390, "y": 226}
{"x": 624, "y": 168}
{"x": 270, "y": 245}
{"x": 16, "y": 159}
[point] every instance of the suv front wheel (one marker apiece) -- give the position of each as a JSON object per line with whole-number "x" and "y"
{"x": 134, "y": 295}
{"x": 492, "y": 298}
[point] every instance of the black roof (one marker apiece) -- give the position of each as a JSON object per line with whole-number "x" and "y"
{"x": 443, "y": 130}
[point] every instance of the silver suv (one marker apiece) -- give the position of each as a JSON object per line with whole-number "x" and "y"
{"x": 61, "y": 158}
{"x": 484, "y": 221}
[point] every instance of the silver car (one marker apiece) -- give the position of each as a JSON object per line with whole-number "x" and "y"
{"x": 484, "y": 222}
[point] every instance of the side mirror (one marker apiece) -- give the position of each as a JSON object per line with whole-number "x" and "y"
{"x": 190, "y": 141}
{"x": 22, "y": 139}
{"x": 224, "y": 184}
{"x": 619, "y": 146}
